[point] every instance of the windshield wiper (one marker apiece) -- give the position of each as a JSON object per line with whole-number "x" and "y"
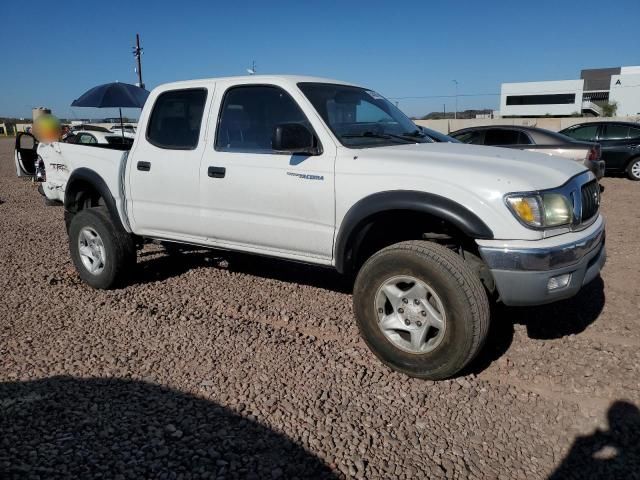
{"x": 415, "y": 134}
{"x": 386, "y": 136}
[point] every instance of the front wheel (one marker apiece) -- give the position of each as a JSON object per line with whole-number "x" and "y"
{"x": 633, "y": 170}
{"x": 101, "y": 251}
{"x": 421, "y": 309}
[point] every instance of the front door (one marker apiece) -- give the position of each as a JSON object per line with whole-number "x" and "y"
{"x": 164, "y": 168}
{"x": 26, "y": 154}
{"x": 257, "y": 199}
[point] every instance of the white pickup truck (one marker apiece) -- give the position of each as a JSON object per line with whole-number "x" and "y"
{"x": 332, "y": 174}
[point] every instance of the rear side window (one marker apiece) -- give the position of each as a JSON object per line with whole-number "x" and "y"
{"x": 474, "y": 137}
{"x": 503, "y": 137}
{"x": 588, "y": 132}
{"x": 634, "y": 132}
{"x": 249, "y": 115}
{"x": 176, "y": 119}
{"x": 616, "y": 132}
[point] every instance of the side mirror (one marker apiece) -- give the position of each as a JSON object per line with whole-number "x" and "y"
{"x": 294, "y": 138}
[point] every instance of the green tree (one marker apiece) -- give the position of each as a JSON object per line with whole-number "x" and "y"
{"x": 610, "y": 109}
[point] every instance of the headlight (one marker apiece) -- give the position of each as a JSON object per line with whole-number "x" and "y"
{"x": 541, "y": 210}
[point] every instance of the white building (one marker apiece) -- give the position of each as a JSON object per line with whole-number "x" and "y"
{"x": 625, "y": 91}
{"x": 570, "y": 97}
{"x": 537, "y": 99}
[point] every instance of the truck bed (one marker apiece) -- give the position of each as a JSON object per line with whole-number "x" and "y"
{"x": 61, "y": 159}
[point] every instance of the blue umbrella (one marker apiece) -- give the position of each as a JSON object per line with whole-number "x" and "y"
{"x": 113, "y": 95}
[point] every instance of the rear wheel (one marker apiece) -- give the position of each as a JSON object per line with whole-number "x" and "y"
{"x": 101, "y": 252}
{"x": 421, "y": 309}
{"x": 633, "y": 169}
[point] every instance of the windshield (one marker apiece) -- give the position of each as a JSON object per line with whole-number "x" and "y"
{"x": 361, "y": 118}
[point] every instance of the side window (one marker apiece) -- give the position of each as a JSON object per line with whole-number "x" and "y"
{"x": 523, "y": 139}
{"x": 501, "y": 137}
{"x": 249, "y": 115}
{"x": 474, "y": 137}
{"x": 634, "y": 132}
{"x": 176, "y": 119}
{"x": 27, "y": 142}
{"x": 587, "y": 132}
{"x": 86, "y": 138}
{"x": 616, "y": 132}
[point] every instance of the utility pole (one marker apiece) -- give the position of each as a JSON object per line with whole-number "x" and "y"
{"x": 137, "y": 52}
{"x": 455, "y": 114}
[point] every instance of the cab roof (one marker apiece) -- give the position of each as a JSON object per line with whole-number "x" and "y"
{"x": 249, "y": 79}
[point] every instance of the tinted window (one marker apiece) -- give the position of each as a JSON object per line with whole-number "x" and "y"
{"x": 587, "y": 132}
{"x": 616, "y": 132}
{"x": 118, "y": 140}
{"x": 634, "y": 132}
{"x": 523, "y": 139}
{"x": 250, "y": 114}
{"x": 474, "y": 136}
{"x": 502, "y": 137}
{"x": 176, "y": 118}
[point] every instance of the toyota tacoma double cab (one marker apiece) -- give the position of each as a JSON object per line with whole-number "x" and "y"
{"x": 328, "y": 173}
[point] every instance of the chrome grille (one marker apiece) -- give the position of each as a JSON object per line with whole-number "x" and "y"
{"x": 590, "y": 196}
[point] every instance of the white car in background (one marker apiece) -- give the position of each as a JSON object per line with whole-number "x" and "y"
{"x": 127, "y": 129}
{"x": 89, "y": 137}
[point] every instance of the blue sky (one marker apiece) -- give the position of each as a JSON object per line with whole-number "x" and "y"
{"x": 54, "y": 51}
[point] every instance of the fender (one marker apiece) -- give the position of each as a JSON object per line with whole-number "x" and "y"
{"x": 83, "y": 176}
{"x": 441, "y": 207}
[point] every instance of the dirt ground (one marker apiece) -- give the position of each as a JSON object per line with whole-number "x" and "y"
{"x": 214, "y": 366}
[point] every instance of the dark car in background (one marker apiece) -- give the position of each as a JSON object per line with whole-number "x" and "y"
{"x": 436, "y": 136}
{"x": 535, "y": 140}
{"x": 620, "y": 142}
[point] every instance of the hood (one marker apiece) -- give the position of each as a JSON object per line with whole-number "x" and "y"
{"x": 515, "y": 170}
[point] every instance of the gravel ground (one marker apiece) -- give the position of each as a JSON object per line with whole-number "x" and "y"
{"x": 211, "y": 366}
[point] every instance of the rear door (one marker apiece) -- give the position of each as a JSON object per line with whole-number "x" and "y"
{"x": 615, "y": 145}
{"x": 26, "y": 154}
{"x": 164, "y": 165}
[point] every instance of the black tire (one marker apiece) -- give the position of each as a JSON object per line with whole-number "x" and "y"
{"x": 633, "y": 164}
{"x": 463, "y": 297}
{"x": 119, "y": 247}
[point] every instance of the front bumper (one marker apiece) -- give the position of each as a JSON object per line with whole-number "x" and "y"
{"x": 522, "y": 269}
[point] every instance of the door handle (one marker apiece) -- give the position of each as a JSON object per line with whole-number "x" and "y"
{"x": 144, "y": 166}
{"x": 216, "y": 172}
